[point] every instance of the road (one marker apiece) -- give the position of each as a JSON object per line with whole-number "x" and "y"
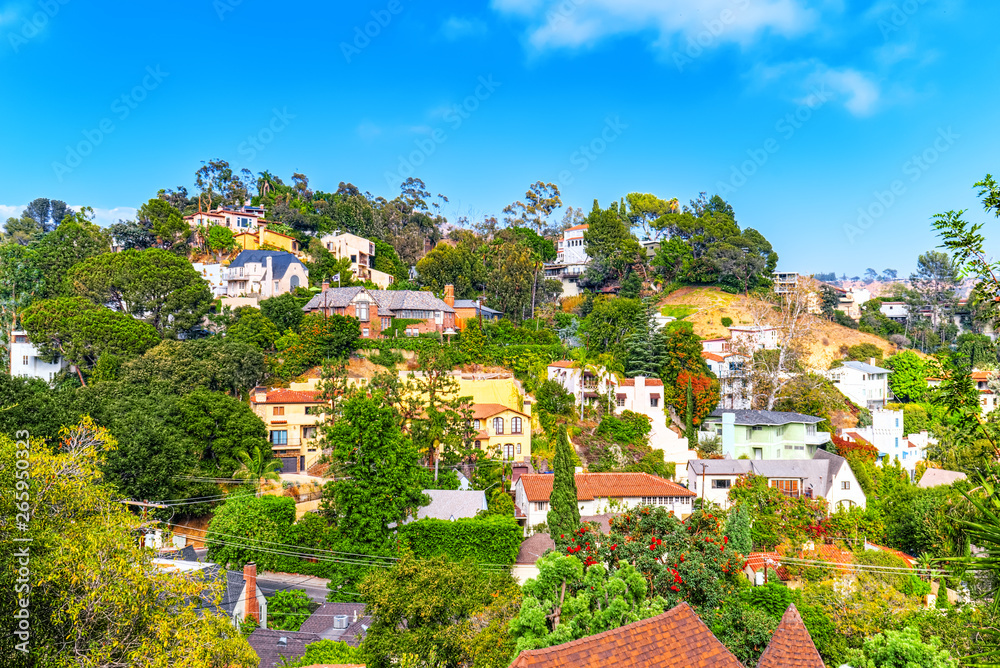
{"x": 314, "y": 587}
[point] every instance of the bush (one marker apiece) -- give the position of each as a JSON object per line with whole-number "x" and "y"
{"x": 727, "y": 322}
{"x": 288, "y": 609}
{"x": 492, "y": 539}
{"x": 863, "y": 351}
{"x": 554, "y": 398}
{"x": 330, "y": 652}
{"x": 629, "y": 429}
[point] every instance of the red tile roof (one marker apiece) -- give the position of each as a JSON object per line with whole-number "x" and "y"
{"x": 756, "y": 561}
{"x": 482, "y": 411}
{"x": 791, "y": 646}
{"x": 576, "y": 227}
{"x": 676, "y": 639}
{"x": 589, "y": 486}
{"x": 630, "y": 382}
{"x": 291, "y": 397}
{"x": 562, "y": 364}
{"x": 715, "y": 357}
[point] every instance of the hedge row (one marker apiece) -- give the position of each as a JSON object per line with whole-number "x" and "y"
{"x": 493, "y": 539}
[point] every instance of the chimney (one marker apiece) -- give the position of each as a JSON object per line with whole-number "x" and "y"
{"x": 260, "y": 394}
{"x": 250, "y": 577}
{"x": 326, "y": 285}
{"x": 267, "y": 290}
{"x": 640, "y": 381}
{"x": 449, "y": 295}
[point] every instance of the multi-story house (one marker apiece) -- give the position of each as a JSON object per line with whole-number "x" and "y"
{"x": 292, "y": 418}
{"x": 785, "y": 282}
{"x": 864, "y": 384}
{"x": 765, "y": 434}
{"x": 897, "y": 311}
{"x": 474, "y": 309}
{"x": 886, "y": 433}
{"x": 751, "y": 338}
{"x": 502, "y": 430}
{"x": 262, "y": 236}
{"x": 26, "y": 360}
{"x": 263, "y": 274}
{"x": 242, "y": 219}
{"x": 599, "y": 493}
{"x": 377, "y": 309}
{"x": 571, "y": 260}
{"x": 361, "y": 251}
{"x": 825, "y": 475}
{"x": 734, "y": 386}
{"x": 214, "y": 274}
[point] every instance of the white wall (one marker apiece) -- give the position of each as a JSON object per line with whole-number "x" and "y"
{"x": 25, "y": 362}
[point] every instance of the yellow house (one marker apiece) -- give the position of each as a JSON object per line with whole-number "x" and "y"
{"x": 292, "y": 418}
{"x": 502, "y": 430}
{"x": 265, "y": 237}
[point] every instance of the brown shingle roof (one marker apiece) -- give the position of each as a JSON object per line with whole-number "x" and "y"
{"x": 676, "y": 639}
{"x": 791, "y": 646}
{"x": 538, "y": 487}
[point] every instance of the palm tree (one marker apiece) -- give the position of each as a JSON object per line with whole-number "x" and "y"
{"x": 925, "y": 562}
{"x": 256, "y": 468}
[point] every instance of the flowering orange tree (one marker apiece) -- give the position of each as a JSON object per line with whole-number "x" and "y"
{"x": 705, "y": 391}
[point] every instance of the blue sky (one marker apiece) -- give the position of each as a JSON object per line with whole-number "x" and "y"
{"x": 802, "y": 112}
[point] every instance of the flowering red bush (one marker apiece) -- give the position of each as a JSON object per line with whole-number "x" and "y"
{"x": 862, "y": 447}
{"x": 705, "y": 391}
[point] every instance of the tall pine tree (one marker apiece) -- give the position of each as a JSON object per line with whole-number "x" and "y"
{"x": 646, "y": 349}
{"x": 691, "y": 434}
{"x": 564, "y": 510}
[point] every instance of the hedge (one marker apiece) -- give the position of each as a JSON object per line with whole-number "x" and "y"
{"x": 493, "y": 539}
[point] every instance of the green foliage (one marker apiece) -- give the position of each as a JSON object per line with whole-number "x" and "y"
{"x": 908, "y": 380}
{"x": 812, "y": 394}
{"x": 628, "y": 429}
{"x": 246, "y": 528}
{"x": 489, "y": 540}
{"x": 75, "y": 240}
{"x": 564, "y": 514}
{"x": 862, "y": 352}
{"x": 287, "y": 609}
{"x": 285, "y": 311}
{"x": 439, "y": 612}
{"x": 744, "y": 630}
{"x": 320, "y": 338}
{"x": 254, "y": 328}
{"x": 461, "y": 266}
{"x": 500, "y": 503}
{"x": 612, "y": 248}
{"x": 328, "y": 652}
{"x": 215, "y": 364}
{"x": 738, "y": 529}
{"x": 775, "y": 517}
{"x": 901, "y": 649}
{"x": 610, "y": 324}
{"x": 727, "y": 322}
{"x": 553, "y": 398}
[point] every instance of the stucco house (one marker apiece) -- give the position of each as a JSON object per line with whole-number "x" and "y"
{"x": 826, "y": 476}
{"x": 241, "y": 219}
{"x": 473, "y": 309}
{"x": 265, "y": 274}
{"x": 376, "y": 309}
{"x": 765, "y": 434}
{"x": 26, "y": 360}
{"x": 865, "y": 384}
{"x": 503, "y": 430}
{"x": 571, "y": 260}
{"x": 599, "y": 492}
{"x": 262, "y": 236}
{"x": 292, "y": 418}
{"x": 361, "y": 251}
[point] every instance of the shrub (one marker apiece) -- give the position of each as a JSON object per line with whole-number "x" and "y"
{"x": 554, "y": 398}
{"x": 727, "y": 322}
{"x": 288, "y": 609}
{"x": 492, "y": 539}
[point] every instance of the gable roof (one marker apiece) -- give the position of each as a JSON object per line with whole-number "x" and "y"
{"x": 676, "y": 639}
{"x": 864, "y": 368}
{"x": 589, "y": 486}
{"x": 483, "y": 411}
{"x": 576, "y": 227}
{"x": 533, "y": 547}
{"x": 818, "y": 473}
{"x": 280, "y": 261}
{"x": 791, "y": 646}
{"x": 322, "y": 621}
{"x": 273, "y": 646}
{"x": 937, "y": 477}
{"x": 387, "y": 300}
{"x": 452, "y": 504}
{"x": 472, "y": 303}
{"x": 562, "y": 364}
{"x": 776, "y": 418}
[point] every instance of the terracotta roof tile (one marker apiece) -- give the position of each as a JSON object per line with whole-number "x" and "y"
{"x": 291, "y": 397}
{"x": 576, "y": 227}
{"x": 650, "y": 382}
{"x": 538, "y": 487}
{"x": 791, "y": 646}
{"x": 676, "y": 639}
{"x": 756, "y": 561}
{"x": 562, "y": 364}
{"x": 482, "y": 411}
{"x": 715, "y": 357}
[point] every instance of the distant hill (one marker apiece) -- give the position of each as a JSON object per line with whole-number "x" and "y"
{"x": 705, "y": 307}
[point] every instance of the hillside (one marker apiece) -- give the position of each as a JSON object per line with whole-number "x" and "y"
{"x": 705, "y": 307}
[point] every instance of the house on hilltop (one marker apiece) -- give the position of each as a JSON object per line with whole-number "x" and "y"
{"x": 361, "y": 252}
{"x": 378, "y": 309}
{"x": 261, "y": 274}
{"x": 865, "y": 384}
{"x": 765, "y": 434}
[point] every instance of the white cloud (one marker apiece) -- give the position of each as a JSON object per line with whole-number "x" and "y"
{"x": 857, "y": 91}
{"x": 813, "y": 82}
{"x": 582, "y": 23}
{"x": 456, "y": 28}
{"x": 368, "y": 130}
{"x": 10, "y": 211}
{"x": 105, "y": 217}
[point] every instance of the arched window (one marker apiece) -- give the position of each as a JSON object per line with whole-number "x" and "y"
{"x": 515, "y": 425}
{"x": 498, "y": 425}
{"x": 293, "y": 282}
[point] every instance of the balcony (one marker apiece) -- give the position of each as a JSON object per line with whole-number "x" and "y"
{"x": 817, "y": 438}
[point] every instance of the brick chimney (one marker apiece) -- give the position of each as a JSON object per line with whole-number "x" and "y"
{"x": 250, "y": 576}
{"x": 326, "y": 285}
{"x": 449, "y": 295}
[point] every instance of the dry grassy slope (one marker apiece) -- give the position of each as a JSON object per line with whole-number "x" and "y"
{"x": 710, "y": 305}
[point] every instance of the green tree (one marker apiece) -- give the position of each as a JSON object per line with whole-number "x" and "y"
{"x": 285, "y": 311}
{"x": 329, "y": 652}
{"x": 738, "y": 529}
{"x": 461, "y": 266}
{"x": 249, "y": 528}
{"x": 216, "y": 364}
{"x": 76, "y": 239}
{"x": 553, "y": 398}
{"x": 154, "y": 285}
{"x": 744, "y": 630}
{"x": 564, "y": 514}
{"x": 257, "y": 467}
{"x": 287, "y": 609}
{"x": 253, "y": 328}
{"x": 132, "y": 235}
{"x": 433, "y": 611}
{"x": 908, "y": 380}
{"x": 612, "y": 248}
{"x": 166, "y": 222}
{"x": 609, "y": 326}
{"x": 901, "y": 649}
{"x": 220, "y": 241}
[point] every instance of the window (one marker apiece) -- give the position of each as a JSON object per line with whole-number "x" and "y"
{"x": 476, "y": 424}
{"x": 361, "y": 308}
{"x": 508, "y": 452}
{"x": 279, "y": 437}
{"x": 757, "y": 428}
{"x": 780, "y": 431}
{"x": 278, "y": 410}
{"x": 25, "y": 360}
{"x": 541, "y": 505}
{"x": 354, "y": 259}
{"x": 312, "y": 410}
{"x": 621, "y": 400}
{"x": 498, "y": 425}
{"x": 897, "y": 423}
{"x": 654, "y": 402}
{"x": 20, "y": 338}
{"x": 786, "y": 487}
{"x": 308, "y": 432}
{"x": 897, "y": 441}
{"x": 385, "y": 323}
{"x": 845, "y": 485}
{"x": 515, "y": 425}
{"x": 722, "y": 484}
{"x": 518, "y": 448}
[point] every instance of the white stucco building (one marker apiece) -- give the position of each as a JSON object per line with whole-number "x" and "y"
{"x": 215, "y": 275}
{"x": 864, "y": 384}
{"x": 571, "y": 260}
{"x": 886, "y": 433}
{"x": 825, "y": 476}
{"x": 361, "y": 251}
{"x": 263, "y": 274}
{"x": 750, "y": 338}
{"x": 25, "y": 361}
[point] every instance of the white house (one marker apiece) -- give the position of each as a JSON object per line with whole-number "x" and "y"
{"x": 599, "y": 493}
{"x": 733, "y": 384}
{"x": 25, "y": 361}
{"x": 645, "y": 396}
{"x": 361, "y": 251}
{"x": 886, "y": 433}
{"x": 750, "y": 338}
{"x": 215, "y": 275}
{"x": 263, "y": 274}
{"x": 864, "y": 384}
{"x": 987, "y": 397}
{"x": 717, "y": 346}
{"x": 825, "y": 476}
{"x": 762, "y": 435}
{"x": 243, "y": 219}
{"x": 897, "y": 311}
{"x": 571, "y": 260}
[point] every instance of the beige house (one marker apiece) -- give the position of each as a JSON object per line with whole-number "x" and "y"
{"x": 361, "y": 251}
{"x": 292, "y": 418}
{"x": 263, "y": 274}
{"x": 502, "y": 430}
{"x": 240, "y": 220}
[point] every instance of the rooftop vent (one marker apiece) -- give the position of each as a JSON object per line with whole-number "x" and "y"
{"x": 340, "y": 622}
{"x": 282, "y": 642}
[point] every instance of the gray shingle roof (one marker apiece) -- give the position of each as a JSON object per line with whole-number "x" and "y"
{"x": 388, "y": 301}
{"x": 747, "y": 417}
{"x": 472, "y": 303}
{"x": 533, "y": 547}
{"x": 271, "y": 650}
{"x": 817, "y": 472}
{"x": 321, "y": 623}
{"x": 280, "y": 260}
{"x": 865, "y": 368}
{"x": 452, "y": 504}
